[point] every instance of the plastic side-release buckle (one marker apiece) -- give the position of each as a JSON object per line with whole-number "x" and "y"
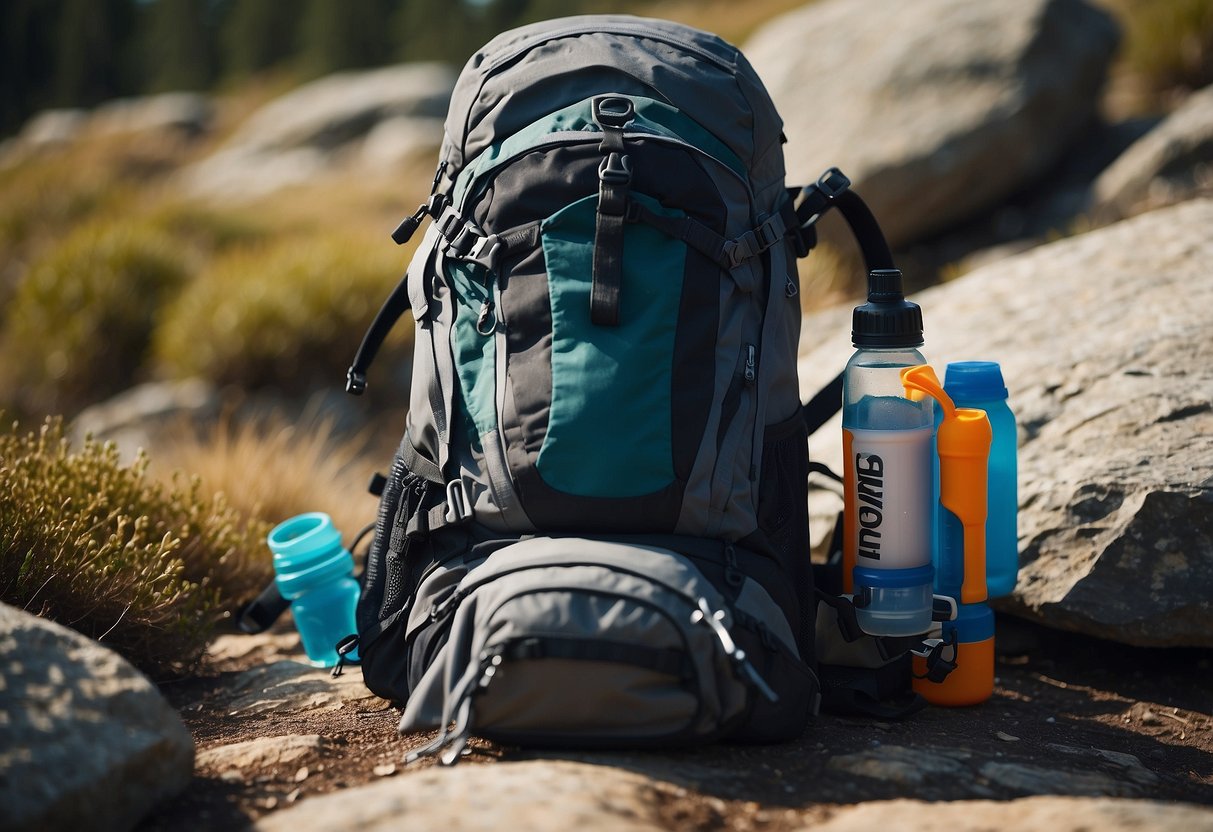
{"x": 458, "y": 504}
{"x": 615, "y": 169}
{"x": 484, "y": 252}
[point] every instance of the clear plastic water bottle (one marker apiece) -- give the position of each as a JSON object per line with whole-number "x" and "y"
{"x": 316, "y": 574}
{"x": 887, "y": 448}
{"x": 979, "y": 384}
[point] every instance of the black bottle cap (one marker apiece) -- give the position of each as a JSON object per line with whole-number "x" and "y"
{"x": 887, "y": 319}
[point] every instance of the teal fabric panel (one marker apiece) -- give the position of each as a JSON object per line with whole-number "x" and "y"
{"x": 609, "y": 429}
{"x": 475, "y": 354}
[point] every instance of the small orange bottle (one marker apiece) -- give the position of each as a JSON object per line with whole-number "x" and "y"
{"x": 963, "y": 443}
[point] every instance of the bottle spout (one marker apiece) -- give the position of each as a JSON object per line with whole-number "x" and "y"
{"x": 963, "y": 444}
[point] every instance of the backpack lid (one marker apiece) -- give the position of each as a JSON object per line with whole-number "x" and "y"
{"x": 526, "y": 73}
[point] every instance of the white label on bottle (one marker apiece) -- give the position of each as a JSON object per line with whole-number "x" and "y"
{"x": 891, "y": 493}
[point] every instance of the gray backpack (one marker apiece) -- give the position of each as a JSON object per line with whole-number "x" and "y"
{"x": 595, "y": 530}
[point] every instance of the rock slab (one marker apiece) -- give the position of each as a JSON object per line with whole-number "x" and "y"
{"x": 1107, "y": 348}
{"x": 1169, "y": 164}
{"x": 332, "y": 121}
{"x": 1056, "y": 814}
{"x": 936, "y": 109}
{"x": 538, "y": 796}
{"x": 86, "y": 741}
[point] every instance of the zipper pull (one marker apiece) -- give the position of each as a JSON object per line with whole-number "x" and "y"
{"x": 789, "y": 288}
{"x": 486, "y": 322}
{"x": 716, "y": 620}
{"x": 409, "y": 225}
{"x": 344, "y": 647}
{"x": 751, "y": 363}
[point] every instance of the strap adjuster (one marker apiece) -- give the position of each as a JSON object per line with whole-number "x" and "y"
{"x": 458, "y": 504}
{"x": 613, "y": 111}
{"x": 833, "y": 182}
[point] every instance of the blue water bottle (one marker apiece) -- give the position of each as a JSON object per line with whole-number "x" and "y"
{"x": 979, "y": 384}
{"x": 316, "y": 574}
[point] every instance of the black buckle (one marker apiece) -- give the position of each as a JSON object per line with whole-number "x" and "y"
{"x": 833, "y": 182}
{"x": 615, "y": 169}
{"x": 613, "y": 111}
{"x": 355, "y": 382}
{"x": 815, "y": 198}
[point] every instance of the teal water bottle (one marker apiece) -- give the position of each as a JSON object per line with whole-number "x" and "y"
{"x": 316, "y": 574}
{"x": 979, "y": 384}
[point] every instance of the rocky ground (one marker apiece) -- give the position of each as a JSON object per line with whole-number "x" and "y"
{"x": 1070, "y": 716}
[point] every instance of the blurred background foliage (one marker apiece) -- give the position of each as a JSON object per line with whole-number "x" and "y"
{"x": 61, "y": 53}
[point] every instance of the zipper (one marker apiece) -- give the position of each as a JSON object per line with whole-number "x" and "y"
{"x": 478, "y": 181}
{"x": 744, "y": 376}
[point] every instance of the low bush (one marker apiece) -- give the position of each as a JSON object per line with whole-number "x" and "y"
{"x": 146, "y": 569}
{"x": 1169, "y": 43}
{"x": 80, "y": 321}
{"x": 286, "y": 316}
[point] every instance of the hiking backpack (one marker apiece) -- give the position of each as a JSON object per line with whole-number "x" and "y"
{"x": 595, "y": 530}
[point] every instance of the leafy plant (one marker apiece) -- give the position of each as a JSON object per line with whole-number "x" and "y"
{"x": 146, "y": 569}
{"x": 287, "y": 316}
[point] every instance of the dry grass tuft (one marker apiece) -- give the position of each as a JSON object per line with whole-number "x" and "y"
{"x": 270, "y": 468}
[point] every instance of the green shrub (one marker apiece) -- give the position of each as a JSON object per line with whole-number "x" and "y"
{"x": 287, "y": 316}
{"x": 79, "y": 324}
{"x": 1169, "y": 43}
{"x": 146, "y": 569}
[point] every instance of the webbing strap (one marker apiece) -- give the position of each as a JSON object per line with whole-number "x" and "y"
{"x": 393, "y": 308}
{"x": 612, "y": 114}
{"x": 726, "y": 253}
{"x": 833, "y": 190}
{"x": 614, "y": 180}
{"x": 824, "y": 404}
{"x": 418, "y": 463}
{"x": 257, "y": 615}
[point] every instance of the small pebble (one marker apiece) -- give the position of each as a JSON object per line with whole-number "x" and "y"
{"x": 293, "y": 796}
{"x": 301, "y": 774}
{"x": 1050, "y": 719}
{"x": 385, "y": 770}
{"x": 270, "y": 802}
{"x": 1149, "y": 718}
{"x": 1005, "y": 737}
{"x": 231, "y": 776}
